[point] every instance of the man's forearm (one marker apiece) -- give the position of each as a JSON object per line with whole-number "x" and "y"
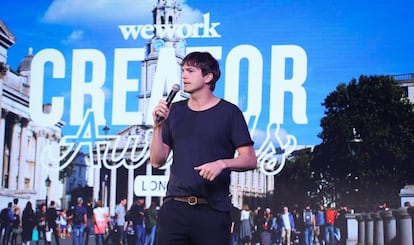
{"x": 158, "y": 152}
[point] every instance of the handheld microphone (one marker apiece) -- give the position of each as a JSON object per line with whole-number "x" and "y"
{"x": 174, "y": 90}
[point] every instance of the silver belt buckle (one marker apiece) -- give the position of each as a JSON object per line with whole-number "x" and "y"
{"x": 192, "y": 200}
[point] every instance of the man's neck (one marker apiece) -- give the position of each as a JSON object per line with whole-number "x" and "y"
{"x": 201, "y": 102}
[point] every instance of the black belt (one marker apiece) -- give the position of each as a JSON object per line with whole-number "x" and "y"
{"x": 192, "y": 200}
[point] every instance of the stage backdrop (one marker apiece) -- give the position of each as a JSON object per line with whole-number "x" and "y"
{"x": 103, "y": 65}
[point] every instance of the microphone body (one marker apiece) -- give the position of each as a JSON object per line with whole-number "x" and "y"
{"x": 169, "y": 99}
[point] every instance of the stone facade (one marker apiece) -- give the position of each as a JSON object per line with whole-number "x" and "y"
{"x": 21, "y": 140}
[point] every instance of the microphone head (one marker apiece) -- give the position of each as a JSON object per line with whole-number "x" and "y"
{"x": 176, "y": 87}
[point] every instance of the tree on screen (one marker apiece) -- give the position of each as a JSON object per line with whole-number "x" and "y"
{"x": 367, "y": 149}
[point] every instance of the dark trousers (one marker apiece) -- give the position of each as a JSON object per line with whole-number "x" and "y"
{"x": 53, "y": 228}
{"x": 180, "y": 223}
{"x": 119, "y": 236}
{"x": 6, "y": 234}
{"x": 42, "y": 234}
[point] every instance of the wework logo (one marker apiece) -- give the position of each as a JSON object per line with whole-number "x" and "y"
{"x": 204, "y": 29}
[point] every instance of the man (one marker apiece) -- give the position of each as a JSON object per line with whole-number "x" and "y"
{"x": 7, "y": 218}
{"x": 136, "y": 215}
{"x": 151, "y": 216}
{"x": 320, "y": 225}
{"x": 41, "y": 223}
{"x": 330, "y": 216}
{"x": 204, "y": 133}
{"x": 120, "y": 212}
{"x": 309, "y": 225}
{"x": 51, "y": 216}
{"x": 79, "y": 219}
{"x": 288, "y": 224}
{"x": 87, "y": 229}
{"x": 235, "y": 225}
{"x": 341, "y": 225}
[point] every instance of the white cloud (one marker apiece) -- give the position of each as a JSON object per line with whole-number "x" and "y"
{"x": 260, "y": 136}
{"x": 190, "y": 15}
{"x": 94, "y": 13}
{"x": 76, "y": 35}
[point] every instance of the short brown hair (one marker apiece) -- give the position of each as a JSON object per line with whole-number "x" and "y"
{"x": 207, "y": 63}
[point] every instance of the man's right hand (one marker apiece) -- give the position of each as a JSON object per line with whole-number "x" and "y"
{"x": 160, "y": 111}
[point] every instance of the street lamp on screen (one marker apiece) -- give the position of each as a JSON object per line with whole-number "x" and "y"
{"x": 354, "y": 146}
{"x": 355, "y": 143}
{"x": 48, "y": 182}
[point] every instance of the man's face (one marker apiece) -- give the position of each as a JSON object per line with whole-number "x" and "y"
{"x": 123, "y": 202}
{"x": 141, "y": 202}
{"x": 193, "y": 78}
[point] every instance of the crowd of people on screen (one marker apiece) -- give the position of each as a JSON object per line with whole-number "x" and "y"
{"x": 136, "y": 225}
{"x": 307, "y": 225}
{"x": 46, "y": 224}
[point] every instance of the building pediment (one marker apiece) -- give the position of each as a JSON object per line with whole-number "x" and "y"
{"x": 7, "y": 38}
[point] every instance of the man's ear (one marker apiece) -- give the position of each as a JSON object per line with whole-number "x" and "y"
{"x": 208, "y": 77}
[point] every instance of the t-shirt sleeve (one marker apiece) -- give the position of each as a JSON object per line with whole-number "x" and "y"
{"x": 240, "y": 132}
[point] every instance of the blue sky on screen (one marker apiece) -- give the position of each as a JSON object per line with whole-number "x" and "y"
{"x": 342, "y": 40}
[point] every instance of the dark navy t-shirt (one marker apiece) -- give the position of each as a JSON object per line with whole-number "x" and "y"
{"x": 198, "y": 137}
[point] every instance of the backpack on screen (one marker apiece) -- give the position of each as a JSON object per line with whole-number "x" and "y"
{"x": 307, "y": 217}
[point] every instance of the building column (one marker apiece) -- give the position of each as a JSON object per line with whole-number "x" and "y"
{"x": 112, "y": 194}
{"x": 130, "y": 194}
{"x": 14, "y": 155}
{"x": 352, "y": 228}
{"x": 38, "y": 176}
{"x": 390, "y": 230}
{"x": 2, "y": 142}
{"x": 148, "y": 198}
{"x": 369, "y": 229}
{"x": 96, "y": 183}
{"x": 361, "y": 229}
{"x": 404, "y": 226}
{"x": 378, "y": 229}
{"x": 22, "y": 155}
